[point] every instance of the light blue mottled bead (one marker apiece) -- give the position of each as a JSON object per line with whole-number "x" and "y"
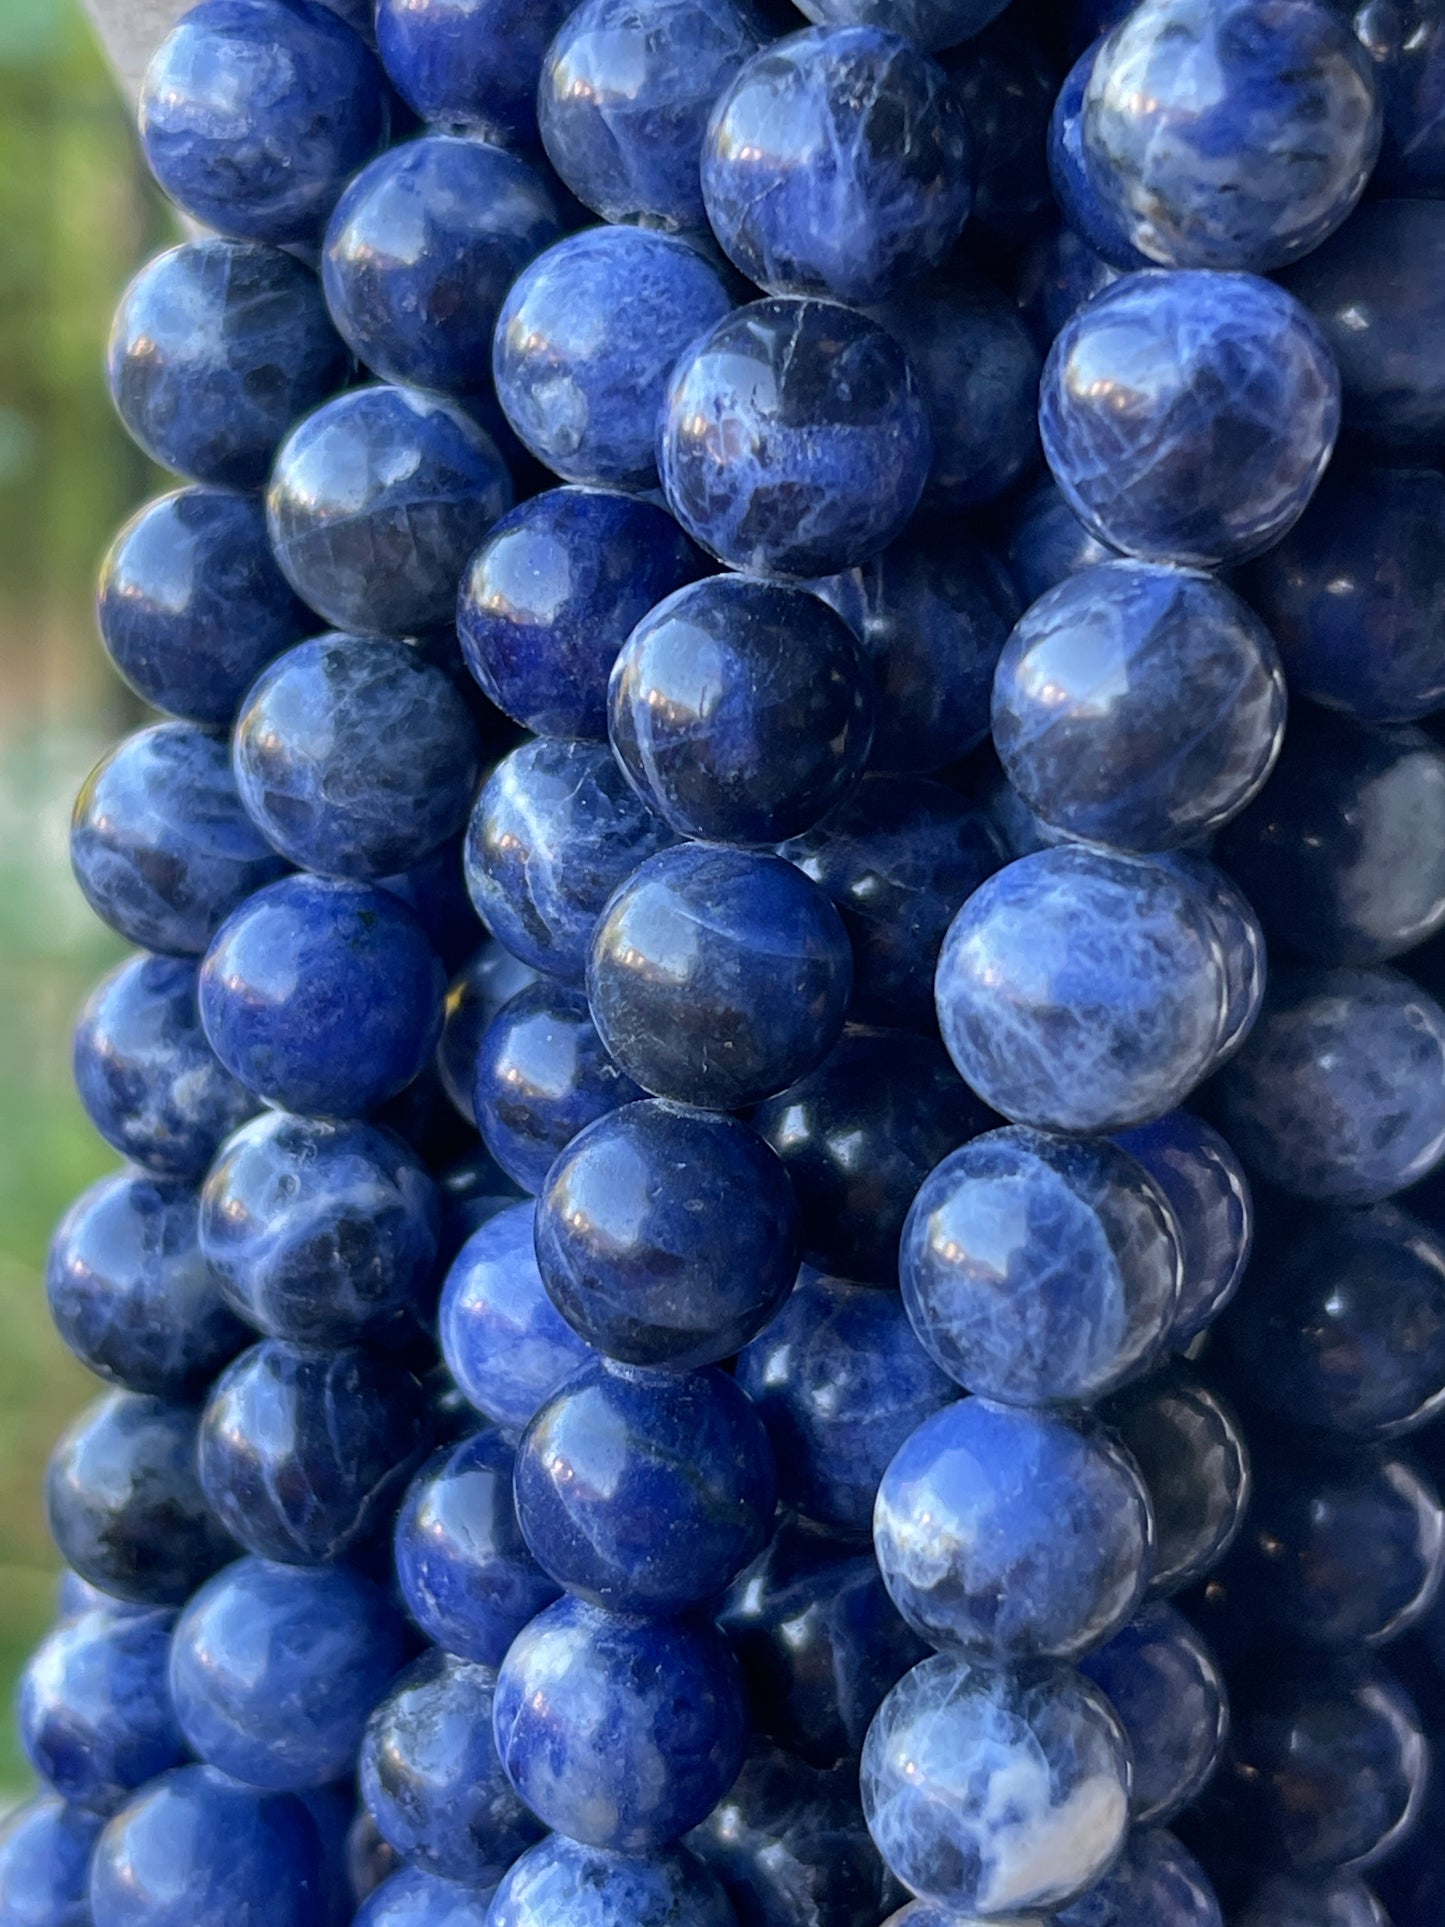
{"x": 932, "y": 23}
{"x": 1166, "y": 1686}
{"x": 45, "y": 1848}
{"x": 1156, "y": 1883}
{"x": 562, "y": 1883}
{"x": 412, "y": 1897}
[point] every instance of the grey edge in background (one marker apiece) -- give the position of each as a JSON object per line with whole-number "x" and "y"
{"x": 131, "y": 30}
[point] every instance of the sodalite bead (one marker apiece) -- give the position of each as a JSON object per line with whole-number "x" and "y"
{"x": 794, "y": 439}
{"x": 321, "y": 1232}
{"x": 923, "y": 1913}
{"x": 355, "y": 756}
{"x": 130, "y": 1290}
{"x": 1210, "y": 1198}
{"x": 1241, "y": 941}
{"x": 717, "y": 977}
{"x": 304, "y": 1454}
{"x": 841, "y": 1382}
{"x": 253, "y": 113}
{"x": 216, "y": 347}
{"x": 1406, "y": 44}
{"x": 471, "y": 64}
{"x": 412, "y": 1897}
{"x": 1340, "y": 1092}
{"x": 1047, "y": 543}
{"x": 1056, "y": 276}
{"x": 564, "y": 1884}
{"x": 471, "y": 1190}
{"x": 1085, "y": 214}
{"x": 624, "y": 100}
{"x": 1007, "y": 82}
{"x": 619, "y": 1732}
{"x": 1188, "y": 417}
{"x": 586, "y": 340}
{"x": 1082, "y": 991}
{"x": 489, "y": 979}
{"x": 1138, "y": 707}
{"x": 995, "y": 1789}
{"x": 1007, "y": 1535}
{"x": 45, "y": 1849}
{"x": 322, "y": 996}
{"x": 376, "y": 501}
{"x": 1155, "y": 1883}
{"x": 932, "y": 23}
{"x": 505, "y": 1342}
{"x": 1165, "y": 1685}
{"x": 653, "y": 1276}
{"x": 160, "y": 845}
{"x": 1340, "y": 1900}
{"x": 275, "y": 1669}
{"x": 125, "y": 1506}
{"x": 1041, "y": 1270}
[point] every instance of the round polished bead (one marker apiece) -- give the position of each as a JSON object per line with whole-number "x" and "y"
{"x": 1209, "y": 1194}
{"x": 1071, "y": 176}
{"x": 376, "y": 501}
{"x": 470, "y": 64}
{"x": 45, "y": 1849}
{"x": 322, "y": 996}
{"x": 1156, "y": 1882}
{"x": 561, "y": 1883}
{"x": 794, "y": 439}
{"x": 840, "y": 1382}
{"x": 1056, "y": 276}
{"x": 488, "y": 980}
{"x": 742, "y": 711}
{"x": 1339, "y": 1900}
{"x": 1047, "y": 543}
{"x": 717, "y": 977}
{"x": 657, "y": 1276}
{"x": 470, "y": 1190}
{"x": 131, "y": 1292}
{"x": 1006, "y": 81}
{"x": 1405, "y": 43}
{"x": 1166, "y": 1686}
{"x": 619, "y": 1732}
{"x": 412, "y": 1897}
{"x": 1083, "y": 991}
{"x": 968, "y": 1768}
{"x": 932, "y": 23}
{"x": 1241, "y": 941}
{"x": 586, "y": 340}
{"x": 435, "y": 891}
{"x": 1144, "y": 460}
{"x": 216, "y": 348}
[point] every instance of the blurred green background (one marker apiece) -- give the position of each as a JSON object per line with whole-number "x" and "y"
{"x": 77, "y": 215}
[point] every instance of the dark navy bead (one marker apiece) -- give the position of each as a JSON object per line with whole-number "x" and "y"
{"x": 996, "y": 1788}
{"x": 124, "y": 1503}
{"x": 463, "y": 1567}
{"x": 1405, "y": 43}
{"x": 355, "y": 756}
{"x": 1041, "y": 1270}
{"x": 1083, "y": 211}
{"x": 717, "y": 976}
{"x": 45, "y": 1849}
{"x": 1082, "y": 991}
{"x": 932, "y": 23}
{"x": 491, "y": 976}
{"x": 585, "y": 343}
{"x": 130, "y": 1290}
{"x": 470, "y": 64}
{"x": 1056, "y": 276}
{"x": 1007, "y": 83}
{"x": 564, "y": 1884}
{"x": 1165, "y": 1685}
{"x": 653, "y": 1274}
{"x": 1137, "y": 706}
{"x": 858, "y": 1136}
{"x": 794, "y": 439}
{"x": 435, "y": 891}
{"x": 1048, "y": 543}
{"x": 217, "y": 347}
{"x": 619, "y": 1732}
{"x": 1188, "y": 417}
{"x": 508, "y": 1347}
{"x": 1339, "y": 1900}
{"x": 159, "y": 842}
{"x": 1156, "y": 1882}
{"x": 1241, "y": 943}
{"x": 471, "y": 1190}
{"x": 275, "y": 1669}
{"x": 304, "y": 1454}
{"x": 841, "y": 1382}
{"x": 375, "y": 503}
{"x": 320, "y": 1232}
{"x": 253, "y": 113}
{"x": 412, "y": 1897}
{"x": 322, "y": 996}
{"x": 553, "y": 593}
{"x": 1210, "y": 1197}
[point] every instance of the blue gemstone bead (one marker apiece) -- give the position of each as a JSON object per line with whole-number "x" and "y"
{"x": 1406, "y": 44}
{"x": 217, "y": 346}
{"x": 553, "y": 593}
{"x": 1188, "y": 417}
{"x": 320, "y": 1232}
{"x": 76, "y": 1595}
{"x": 435, "y": 891}
{"x": 655, "y": 1275}
{"x": 195, "y": 1849}
{"x": 375, "y": 503}
{"x": 1208, "y": 1192}
{"x": 303, "y": 1454}
{"x": 1155, "y": 1883}
{"x": 1041, "y": 1270}
{"x": 556, "y": 829}
{"x": 1166, "y": 1686}
{"x": 1047, "y": 543}
{"x": 564, "y": 1884}
{"x": 1084, "y": 212}
{"x": 412, "y": 1897}
{"x": 1241, "y": 943}
{"x": 586, "y": 340}
{"x": 253, "y": 113}
{"x": 125, "y": 1506}
{"x": 463, "y": 1567}
{"x": 619, "y": 1732}
{"x": 717, "y": 977}
{"x": 1339, "y": 1900}
{"x": 131, "y": 1292}
{"x": 471, "y": 64}
{"x": 1083, "y": 991}
{"x": 1056, "y": 276}
{"x": 355, "y": 756}
{"x": 322, "y": 996}
{"x": 840, "y": 1382}
{"x": 471, "y": 1190}
{"x": 996, "y": 1789}
{"x": 932, "y": 23}
{"x": 45, "y": 1849}
{"x": 1006, "y": 81}
{"x": 160, "y": 844}
{"x": 1138, "y": 706}
{"x": 491, "y": 976}
{"x": 508, "y": 1347}
{"x": 646, "y": 1492}
{"x": 794, "y": 439}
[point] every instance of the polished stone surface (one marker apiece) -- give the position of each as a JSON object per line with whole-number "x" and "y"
{"x": 1209, "y": 1194}
{"x": 1006, "y": 80}
{"x": 1070, "y": 175}
{"x": 1406, "y": 44}
{"x": 1056, "y": 276}
{"x": 1339, "y": 1900}
{"x": 490, "y": 977}
{"x": 435, "y": 891}
{"x": 619, "y": 1732}
{"x": 561, "y": 1883}
{"x": 794, "y": 439}
{"x": 932, "y": 23}
{"x": 376, "y": 501}
{"x": 1156, "y": 1882}
{"x": 470, "y": 64}
{"x": 412, "y": 1897}
{"x": 1047, "y": 543}
{"x": 471, "y": 1189}
{"x": 1240, "y": 935}
{"x": 1188, "y": 416}
{"x": 216, "y": 348}
{"x": 45, "y": 1848}
{"x": 1164, "y": 1683}
{"x": 657, "y": 1273}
